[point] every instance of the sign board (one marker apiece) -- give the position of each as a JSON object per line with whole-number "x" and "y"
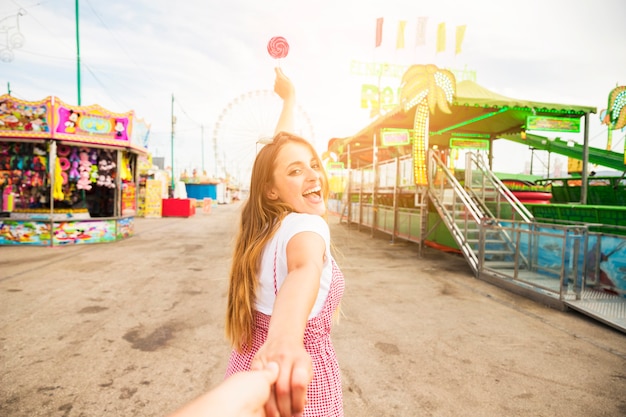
{"x": 25, "y": 119}
{"x": 553, "y": 124}
{"x": 51, "y": 118}
{"x": 152, "y": 206}
{"x": 465, "y": 143}
{"x": 91, "y": 124}
{"x": 574, "y": 166}
{"x": 395, "y": 137}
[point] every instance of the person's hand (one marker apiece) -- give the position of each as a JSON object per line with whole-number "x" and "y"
{"x": 243, "y": 394}
{"x": 288, "y": 396}
{"x": 283, "y": 86}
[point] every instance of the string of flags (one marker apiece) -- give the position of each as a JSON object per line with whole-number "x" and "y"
{"x": 420, "y": 34}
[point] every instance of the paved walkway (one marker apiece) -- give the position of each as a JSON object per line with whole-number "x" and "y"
{"x": 135, "y": 328}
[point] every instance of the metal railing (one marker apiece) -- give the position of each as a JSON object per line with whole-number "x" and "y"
{"x": 457, "y": 209}
{"x": 480, "y": 181}
{"x": 554, "y": 256}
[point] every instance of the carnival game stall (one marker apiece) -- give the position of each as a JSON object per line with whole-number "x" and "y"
{"x": 68, "y": 174}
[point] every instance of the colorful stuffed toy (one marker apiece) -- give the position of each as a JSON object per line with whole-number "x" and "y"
{"x": 57, "y": 193}
{"x": 84, "y": 169}
{"x": 106, "y": 170}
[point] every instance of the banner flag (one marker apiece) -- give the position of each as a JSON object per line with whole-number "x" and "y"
{"x": 379, "y": 31}
{"x": 400, "y": 38}
{"x": 460, "y": 34}
{"x": 441, "y": 37}
{"x": 420, "y": 38}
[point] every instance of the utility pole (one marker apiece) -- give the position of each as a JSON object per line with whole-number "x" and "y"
{"x": 215, "y": 154}
{"x": 77, "y": 55}
{"x": 202, "y": 145}
{"x": 172, "y": 145}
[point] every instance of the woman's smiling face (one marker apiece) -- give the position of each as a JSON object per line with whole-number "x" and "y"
{"x": 298, "y": 179}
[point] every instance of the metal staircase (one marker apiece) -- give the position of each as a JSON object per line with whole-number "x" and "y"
{"x": 482, "y": 200}
{"x": 505, "y": 246}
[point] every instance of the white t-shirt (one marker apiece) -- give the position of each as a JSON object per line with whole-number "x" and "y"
{"x": 291, "y": 225}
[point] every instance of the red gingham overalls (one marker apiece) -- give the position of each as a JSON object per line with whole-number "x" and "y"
{"x": 324, "y": 396}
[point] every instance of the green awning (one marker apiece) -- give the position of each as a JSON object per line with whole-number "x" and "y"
{"x": 476, "y": 111}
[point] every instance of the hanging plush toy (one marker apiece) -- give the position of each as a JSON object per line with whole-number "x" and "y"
{"x": 57, "y": 193}
{"x": 106, "y": 170}
{"x": 93, "y": 157}
{"x": 40, "y": 163}
{"x": 36, "y": 180}
{"x": 125, "y": 172}
{"x": 84, "y": 169}
{"x": 73, "y": 174}
{"x": 83, "y": 182}
{"x": 93, "y": 175}
{"x": 5, "y": 157}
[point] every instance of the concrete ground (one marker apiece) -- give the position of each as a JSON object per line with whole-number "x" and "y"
{"x": 135, "y": 328}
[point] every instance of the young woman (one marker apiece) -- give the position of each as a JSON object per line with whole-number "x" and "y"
{"x": 284, "y": 284}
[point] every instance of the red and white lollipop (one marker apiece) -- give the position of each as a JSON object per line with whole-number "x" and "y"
{"x": 278, "y": 47}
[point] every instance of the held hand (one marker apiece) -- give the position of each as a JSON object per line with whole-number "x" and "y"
{"x": 283, "y": 86}
{"x": 288, "y": 396}
{"x": 242, "y": 395}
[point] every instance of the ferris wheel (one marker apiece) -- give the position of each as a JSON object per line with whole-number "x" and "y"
{"x": 244, "y": 126}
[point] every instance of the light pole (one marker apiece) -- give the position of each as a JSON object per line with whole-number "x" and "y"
{"x": 77, "y": 54}
{"x": 172, "y": 145}
{"x": 202, "y": 146}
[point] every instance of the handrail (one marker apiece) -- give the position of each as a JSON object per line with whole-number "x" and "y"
{"x": 448, "y": 215}
{"x": 517, "y": 206}
{"x": 474, "y": 210}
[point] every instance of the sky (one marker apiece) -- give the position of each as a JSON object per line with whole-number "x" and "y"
{"x": 205, "y": 64}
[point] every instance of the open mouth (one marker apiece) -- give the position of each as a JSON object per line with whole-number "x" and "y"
{"x": 316, "y": 191}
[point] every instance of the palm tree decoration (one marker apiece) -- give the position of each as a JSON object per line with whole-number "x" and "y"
{"x": 615, "y": 113}
{"x": 617, "y": 107}
{"x": 427, "y": 87}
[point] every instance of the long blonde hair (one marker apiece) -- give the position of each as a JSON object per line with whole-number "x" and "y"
{"x": 260, "y": 218}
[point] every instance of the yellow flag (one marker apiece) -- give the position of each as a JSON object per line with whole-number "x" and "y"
{"x": 400, "y": 38}
{"x": 460, "y": 34}
{"x": 441, "y": 37}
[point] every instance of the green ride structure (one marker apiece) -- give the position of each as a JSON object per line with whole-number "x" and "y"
{"x": 397, "y": 176}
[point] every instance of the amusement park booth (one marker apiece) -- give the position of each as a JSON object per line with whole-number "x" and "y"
{"x": 422, "y": 172}
{"x": 68, "y": 174}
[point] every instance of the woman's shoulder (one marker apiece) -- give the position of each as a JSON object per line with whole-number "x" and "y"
{"x": 304, "y": 218}
{"x": 302, "y": 222}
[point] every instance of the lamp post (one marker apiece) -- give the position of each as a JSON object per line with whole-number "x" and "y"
{"x": 202, "y": 146}
{"x": 172, "y": 145}
{"x": 77, "y": 54}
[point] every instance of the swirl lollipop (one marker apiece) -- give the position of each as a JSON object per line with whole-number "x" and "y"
{"x": 278, "y": 47}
